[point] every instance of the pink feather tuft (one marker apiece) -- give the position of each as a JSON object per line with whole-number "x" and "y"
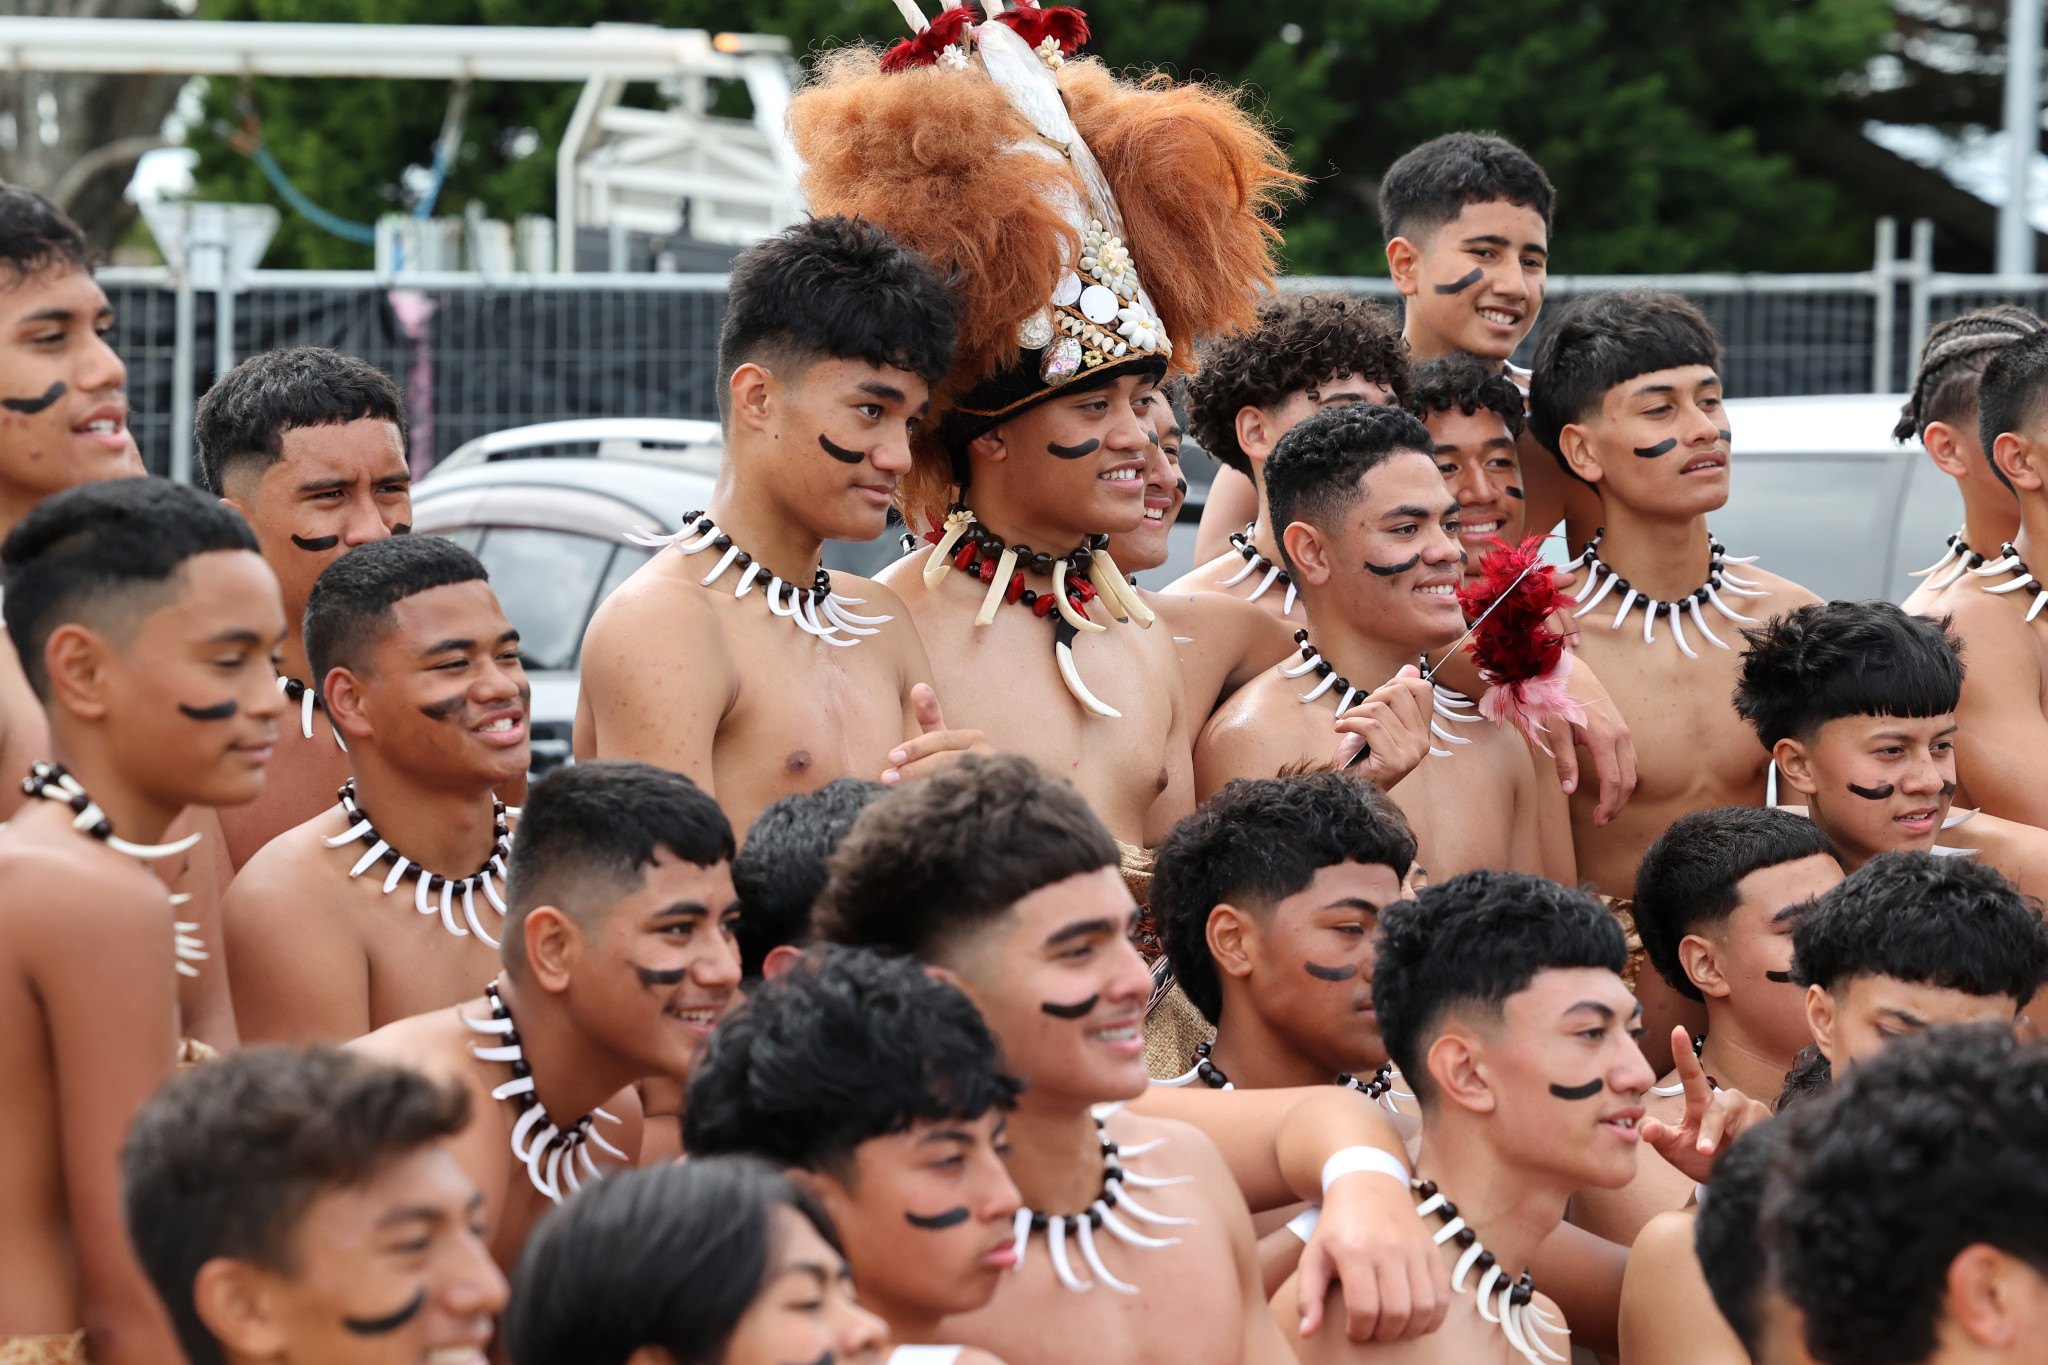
{"x": 1523, "y": 662}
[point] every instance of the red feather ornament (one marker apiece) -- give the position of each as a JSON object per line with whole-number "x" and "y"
{"x": 946, "y": 29}
{"x": 1064, "y": 24}
{"x": 1523, "y": 663}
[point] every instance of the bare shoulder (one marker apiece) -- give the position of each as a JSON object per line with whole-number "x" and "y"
{"x": 1207, "y": 577}
{"x": 877, "y": 596}
{"x": 973, "y": 1355}
{"x": 2018, "y": 850}
{"x": 1182, "y": 1150}
{"x": 649, "y": 607}
{"x": 295, "y": 861}
{"x": 1665, "y": 1242}
{"x": 45, "y": 883}
{"x": 1784, "y": 593}
{"x": 435, "y": 1043}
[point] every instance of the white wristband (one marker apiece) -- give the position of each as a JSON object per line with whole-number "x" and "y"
{"x": 1303, "y": 1224}
{"x": 1372, "y": 1159}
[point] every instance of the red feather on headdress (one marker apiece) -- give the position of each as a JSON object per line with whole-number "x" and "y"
{"x": 1524, "y": 664}
{"x": 1064, "y": 24}
{"x": 946, "y": 29}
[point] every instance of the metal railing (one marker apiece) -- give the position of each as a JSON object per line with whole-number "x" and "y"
{"x": 478, "y": 353}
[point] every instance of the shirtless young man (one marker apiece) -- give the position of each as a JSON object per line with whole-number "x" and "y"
{"x": 1372, "y": 537}
{"x": 1005, "y": 883}
{"x": 1942, "y": 412}
{"x": 309, "y": 446}
{"x": 1716, "y": 898}
{"x": 148, "y": 622}
{"x": 880, "y": 1088}
{"x": 618, "y": 959}
{"x": 1858, "y": 702}
{"x": 386, "y": 904}
{"x": 1627, "y": 394}
{"x": 833, "y": 335}
{"x": 302, "y": 1208}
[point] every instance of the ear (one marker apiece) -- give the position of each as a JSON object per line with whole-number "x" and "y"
{"x": 1404, "y": 263}
{"x": 554, "y": 947}
{"x": 1256, "y": 436}
{"x": 2019, "y": 460}
{"x": 1795, "y": 766}
{"x": 232, "y": 1299}
{"x": 345, "y": 698}
{"x": 229, "y": 500}
{"x": 1988, "y": 1296}
{"x": 1697, "y": 959}
{"x": 1575, "y": 443}
{"x": 79, "y": 662}
{"x": 755, "y": 394}
{"x": 780, "y": 959}
{"x": 1945, "y": 448}
{"x": 1228, "y": 930}
{"x": 955, "y": 980}
{"x": 1313, "y": 562}
{"x": 987, "y": 446}
{"x": 1454, "y": 1064}
{"x": 1820, "y": 1020}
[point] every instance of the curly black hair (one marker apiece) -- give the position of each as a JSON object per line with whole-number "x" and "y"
{"x": 1822, "y": 662}
{"x": 1467, "y": 383}
{"x": 1299, "y": 341}
{"x": 781, "y": 867}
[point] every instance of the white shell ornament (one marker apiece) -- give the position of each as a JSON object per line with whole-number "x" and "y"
{"x": 1067, "y": 290}
{"x": 1035, "y": 331}
{"x": 1062, "y": 361}
{"x": 1098, "y": 304}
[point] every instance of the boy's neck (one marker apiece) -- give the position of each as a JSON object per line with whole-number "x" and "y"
{"x": 1425, "y": 344}
{"x": 1736, "y": 1060}
{"x": 1264, "y": 538}
{"x": 1044, "y": 533}
{"x": 1361, "y": 658}
{"x": 1989, "y": 518}
{"x": 1512, "y": 1208}
{"x": 2032, "y": 540}
{"x": 1055, "y": 1153}
{"x": 571, "y": 1074}
{"x": 1661, "y": 557}
{"x": 909, "y": 1324}
{"x": 135, "y": 815}
{"x": 1253, "y": 1055}
{"x": 447, "y": 829}
{"x": 759, "y": 522}
{"x": 291, "y": 655}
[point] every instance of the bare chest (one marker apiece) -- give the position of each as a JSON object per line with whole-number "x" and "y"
{"x": 1461, "y": 807}
{"x": 416, "y": 960}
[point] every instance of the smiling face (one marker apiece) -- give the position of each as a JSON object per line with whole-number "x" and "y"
{"x": 1311, "y": 967}
{"x": 806, "y": 1311}
{"x": 63, "y": 409}
{"x": 1147, "y": 547}
{"x": 1732, "y": 962}
{"x": 1476, "y": 283}
{"x": 1393, "y": 564}
{"x": 1868, "y": 1012}
{"x": 829, "y": 446}
{"x": 1075, "y": 462}
{"x": 1876, "y": 783}
{"x": 1064, "y": 991}
{"x": 337, "y": 486}
{"x": 926, "y": 1216}
{"x": 1659, "y": 443}
{"x": 1477, "y": 459}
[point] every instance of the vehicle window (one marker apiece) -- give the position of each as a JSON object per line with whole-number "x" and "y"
{"x": 1825, "y": 523}
{"x": 624, "y": 560}
{"x": 548, "y": 582}
{"x": 468, "y": 537}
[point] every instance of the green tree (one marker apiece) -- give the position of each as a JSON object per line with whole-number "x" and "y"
{"x": 1670, "y": 130}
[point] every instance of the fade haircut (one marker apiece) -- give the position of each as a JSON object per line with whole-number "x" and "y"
{"x": 1313, "y": 473}
{"x": 1937, "y": 1144}
{"x": 1597, "y": 342}
{"x": 226, "y": 1158}
{"x": 1818, "y": 663}
{"x": 351, "y": 608}
{"x": 105, "y": 555}
{"x": 834, "y": 288}
{"x": 2011, "y": 395}
{"x": 1254, "y": 844}
{"x": 847, "y": 1047}
{"x": 1952, "y": 923}
{"x": 928, "y": 869}
{"x": 1470, "y": 943}
{"x": 242, "y": 420}
{"x": 670, "y": 1257}
{"x": 1952, "y": 362}
{"x": 1430, "y": 185}
{"x": 1298, "y": 342}
{"x": 1687, "y": 881}
{"x": 589, "y": 831}
{"x": 36, "y": 235}
{"x": 781, "y": 867}
{"x": 1468, "y": 384}
{"x": 1727, "y": 1236}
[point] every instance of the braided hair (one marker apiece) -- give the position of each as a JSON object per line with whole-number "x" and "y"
{"x": 1952, "y": 360}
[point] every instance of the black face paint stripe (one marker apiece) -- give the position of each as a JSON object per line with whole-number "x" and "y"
{"x": 649, "y": 977}
{"x": 1663, "y": 447}
{"x": 1321, "y": 973}
{"x": 1153, "y": 437}
{"x": 318, "y": 544}
{"x": 1578, "y": 1092}
{"x": 951, "y": 1218}
{"x": 442, "y": 710}
{"x": 1180, "y": 486}
{"x": 1462, "y": 283}
{"x": 1087, "y": 447}
{"x": 841, "y": 453}
{"x": 1725, "y": 434}
{"x": 1948, "y": 789}
{"x": 32, "y": 406}
{"x": 1078, "y": 1010}
{"x": 1782, "y": 978}
{"x": 374, "y": 1327}
{"x": 1873, "y": 793}
{"x": 401, "y": 528}
{"x": 221, "y": 711}
{"x": 1390, "y": 570}
{"x": 1514, "y": 492}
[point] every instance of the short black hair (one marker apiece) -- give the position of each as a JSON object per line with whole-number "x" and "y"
{"x": 244, "y": 416}
{"x": 1727, "y": 1235}
{"x": 835, "y": 288}
{"x": 1937, "y": 1144}
{"x": 933, "y": 864}
{"x": 1298, "y": 341}
{"x": 1952, "y": 362}
{"x": 35, "y": 235}
{"x": 1948, "y": 922}
{"x": 349, "y": 612}
{"x": 587, "y": 832}
{"x": 1687, "y": 879}
{"x": 1254, "y": 844}
{"x": 1467, "y": 383}
{"x": 781, "y": 867}
{"x": 670, "y": 1256}
{"x": 845, "y": 1047}
{"x": 101, "y": 550}
{"x": 226, "y": 1158}
{"x": 1473, "y": 941}
{"x": 1313, "y": 473}
{"x": 1822, "y": 662}
{"x": 1593, "y": 343}
{"x": 1430, "y": 185}
{"x": 2012, "y": 394}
